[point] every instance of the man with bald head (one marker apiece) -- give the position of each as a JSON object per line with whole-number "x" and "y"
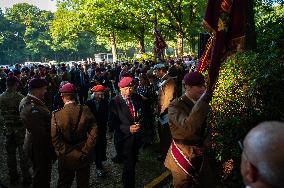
{"x": 263, "y": 156}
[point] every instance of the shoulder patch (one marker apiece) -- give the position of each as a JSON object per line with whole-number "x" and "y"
{"x": 34, "y": 111}
{"x": 180, "y": 99}
{"x": 54, "y": 111}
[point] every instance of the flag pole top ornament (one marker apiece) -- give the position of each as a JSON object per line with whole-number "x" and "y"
{"x": 226, "y": 5}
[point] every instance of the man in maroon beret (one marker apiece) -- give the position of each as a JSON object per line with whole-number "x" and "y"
{"x": 194, "y": 79}
{"x": 14, "y": 130}
{"x": 126, "y": 82}
{"x": 36, "y": 118}
{"x": 73, "y": 133}
{"x": 186, "y": 158}
{"x": 68, "y": 88}
{"x": 124, "y": 117}
{"x": 37, "y": 83}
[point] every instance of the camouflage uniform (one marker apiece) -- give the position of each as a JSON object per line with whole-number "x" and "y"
{"x": 36, "y": 117}
{"x": 14, "y": 131}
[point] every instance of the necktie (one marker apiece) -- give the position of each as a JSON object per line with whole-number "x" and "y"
{"x": 130, "y": 106}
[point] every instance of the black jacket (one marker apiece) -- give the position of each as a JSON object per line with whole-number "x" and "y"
{"x": 120, "y": 118}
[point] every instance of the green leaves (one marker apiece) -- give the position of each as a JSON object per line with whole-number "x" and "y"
{"x": 249, "y": 90}
{"x": 131, "y": 21}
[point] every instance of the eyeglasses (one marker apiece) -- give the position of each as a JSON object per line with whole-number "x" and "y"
{"x": 241, "y": 144}
{"x": 244, "y": 153}
{"x": 242, "y": 148}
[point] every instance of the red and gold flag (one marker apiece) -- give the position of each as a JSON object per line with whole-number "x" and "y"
{"x": 159, "y": 42}
{"x": 225, "y": 22}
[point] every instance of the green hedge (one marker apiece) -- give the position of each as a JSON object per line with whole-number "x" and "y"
{"x": 250, "y": 90}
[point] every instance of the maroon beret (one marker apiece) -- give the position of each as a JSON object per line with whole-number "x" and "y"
{"x": 68, "y": 88}
{"x": 11, "y": 79}
{"x": 37, "y": 83}
{"x": 125, "y": 82}
{"x": 194, "y": 79}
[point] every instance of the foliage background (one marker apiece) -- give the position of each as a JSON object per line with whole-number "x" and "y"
{"x": 250, "y": 89}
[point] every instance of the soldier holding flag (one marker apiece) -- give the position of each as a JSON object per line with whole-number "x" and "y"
{"x": 186, "y": 158}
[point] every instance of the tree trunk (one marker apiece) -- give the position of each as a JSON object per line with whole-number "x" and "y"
{"x": 193, "y": 47}
{"x": 141, "y": 46}
{"x": 250, "y": 26}
{"x": 179, "y": 44}
{"x": 113, "y": 47}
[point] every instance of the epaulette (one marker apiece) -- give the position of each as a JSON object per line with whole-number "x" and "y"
{"x": 31, "y": 102}
{"x": 180, "y": 98}
{"x": 33, "y": 108}
{"x": 54, "y": 111}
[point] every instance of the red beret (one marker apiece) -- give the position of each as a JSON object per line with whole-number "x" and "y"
{"x": 98, "y": 88}
{"x": 125, "y": 82}
{"x": 11, "y": 79}
{"x": 194, "y": 79}
{"x": 37, "y": 83}
{"x": 68, "y": 88}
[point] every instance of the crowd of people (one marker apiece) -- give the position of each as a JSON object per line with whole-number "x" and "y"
{"x": 50, "y": 109}
{"x": 64, "y": 113}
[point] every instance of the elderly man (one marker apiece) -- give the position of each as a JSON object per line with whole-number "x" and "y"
{"x": 73, "y": 132}
{"x": 186, "y": 157}
{"x": 167, "y": 93}
{"x": 263, "y": 156}
{"x": 124, "y": 117}
{"x": 36, "y": 118}
{"x": 99, "y": 107}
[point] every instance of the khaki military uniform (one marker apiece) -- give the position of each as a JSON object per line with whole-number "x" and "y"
{"x": 167, "y": 92}
{"x": 36, "y": 117}
{"x": 74, "y": 132}
{"x": 187, "y": 122}
{"x": 14, "y": 132}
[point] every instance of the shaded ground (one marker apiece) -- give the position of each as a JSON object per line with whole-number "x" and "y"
{"x": 147, "y": 169}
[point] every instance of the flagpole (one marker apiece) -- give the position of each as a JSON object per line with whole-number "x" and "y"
{"x": 155, "y": 27}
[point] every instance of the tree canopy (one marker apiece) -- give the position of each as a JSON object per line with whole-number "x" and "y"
{"x": 80, "y": 28}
